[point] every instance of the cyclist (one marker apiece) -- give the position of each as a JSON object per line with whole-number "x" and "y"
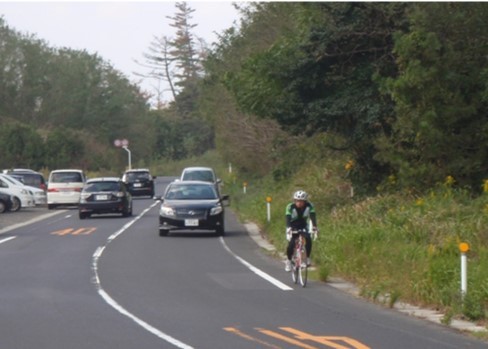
{"x": 298, "y": 213}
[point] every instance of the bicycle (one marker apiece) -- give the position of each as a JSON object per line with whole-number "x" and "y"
{"x": 299, "y": 271}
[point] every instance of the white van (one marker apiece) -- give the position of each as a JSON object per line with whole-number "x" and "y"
{"x": 64, "y": 187}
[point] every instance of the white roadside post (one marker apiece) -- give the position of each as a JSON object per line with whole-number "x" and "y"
{"x": 268, "y": 207}
{"x": 244, "y": 187}
{"x": 230, "y": 167}
{"x": 464, "y": 248}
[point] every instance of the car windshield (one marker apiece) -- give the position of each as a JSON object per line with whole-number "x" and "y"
{"x": 66, "y": 177}
{"x": 191, "y": 192}
{"x": 102, "y": 186}
{"x": 199, "y": 175}
{"x": 13, "y": 180}
{"x": 132, "y": 176}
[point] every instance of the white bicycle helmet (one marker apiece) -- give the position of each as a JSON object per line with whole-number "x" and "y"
{"x": 300, "y": 195}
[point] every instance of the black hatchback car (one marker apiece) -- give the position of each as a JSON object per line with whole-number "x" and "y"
{"x": 104, "y": 195}
{"x": 192, "y": 205}
{"x": 140, "y": 182}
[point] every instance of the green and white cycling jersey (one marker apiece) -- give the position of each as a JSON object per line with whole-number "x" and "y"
{"x": 298, "y": 218}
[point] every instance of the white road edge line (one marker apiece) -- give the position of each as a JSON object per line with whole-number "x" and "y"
{"x": 257, "y": 271}
{"x": 7, "y": 239}
{"x": 110, "y": 301}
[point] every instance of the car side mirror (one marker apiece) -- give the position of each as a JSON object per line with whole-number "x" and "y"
{"x": 225, "y": 200}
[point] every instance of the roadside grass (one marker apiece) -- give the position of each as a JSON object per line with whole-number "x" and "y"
{"x": 393, "y": 246}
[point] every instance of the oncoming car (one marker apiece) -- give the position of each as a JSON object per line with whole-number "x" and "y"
{"x": 192, "y": 205}
{"x": 197, "y": 173}
{"x": 105, "y": 195}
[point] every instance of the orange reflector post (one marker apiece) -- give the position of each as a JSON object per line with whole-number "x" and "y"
{"x": 464, "y": 247}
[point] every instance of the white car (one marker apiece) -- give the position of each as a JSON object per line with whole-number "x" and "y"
{"x": 206, "y": 174}
{"x": 64, "y": 187}
{"x": 22, "y": 196}
{"x": 40, "y": 196}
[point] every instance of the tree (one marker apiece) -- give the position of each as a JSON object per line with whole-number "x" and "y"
{"x": 321, "y": 75}
{"x": 64, "y": 149}
{"x": 177, "y": 61}
{"x": 441, "y": 128}
{"x": 21, "y": 146}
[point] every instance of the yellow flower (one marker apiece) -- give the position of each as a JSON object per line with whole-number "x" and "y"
{"x": 431, "y": 250}
{"x": 392, "y": 179}
{"x": 449, "y": 181}
{"x": 419, "y": 202}
{"x": 349, "y": 165}
{"x": 485, "y": 186}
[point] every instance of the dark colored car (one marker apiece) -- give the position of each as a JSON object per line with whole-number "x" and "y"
{"x": 192, "y": 205}
{"x": 29, "y": 177}
{"x": 140, "y": 182}
{"x": 105, "y": 195}
{"x": 5, "y": 202}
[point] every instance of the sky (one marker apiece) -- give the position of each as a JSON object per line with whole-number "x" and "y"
{"x": 118, "y": 31}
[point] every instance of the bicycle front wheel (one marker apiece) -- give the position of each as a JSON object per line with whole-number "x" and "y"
{"x": 295, "y": 271}
{"x": 303, "y": 270}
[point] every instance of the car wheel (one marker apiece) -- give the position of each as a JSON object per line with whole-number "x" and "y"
{"x": 84, "y": 215}
{"x": 126, "y": 212}
{"x": 220, "y": 230}
{"x": 3, "y": 207}
{"x": 15, "y": 204}
{"x": 163, "y": 232}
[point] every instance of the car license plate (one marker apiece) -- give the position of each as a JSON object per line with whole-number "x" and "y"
{"x": 137, "y": 185}
{"x": 101, "y": 197}
{"x": 191, "y": 222}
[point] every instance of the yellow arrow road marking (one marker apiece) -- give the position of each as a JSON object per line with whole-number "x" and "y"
{"x": 327, "y": 340}
{"x": 335, "y": 342}
{"x": 71, "y": 231}
{"x": 62, "y": 232}
{"x": 285, "y": 338}
{"x": 251, "y": 338}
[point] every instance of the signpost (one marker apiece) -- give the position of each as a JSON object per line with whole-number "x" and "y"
{"x": 124, "y": 143}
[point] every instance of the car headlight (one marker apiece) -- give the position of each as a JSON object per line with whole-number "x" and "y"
{"x": 166, "y": 211}
{"x": 216, "y": 210}
{"x": 84, "y": 196}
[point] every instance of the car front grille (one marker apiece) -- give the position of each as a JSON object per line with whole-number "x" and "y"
{"x": 191, "y": 213}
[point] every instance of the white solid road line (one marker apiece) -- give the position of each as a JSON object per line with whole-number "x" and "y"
{"x": 257, "y": 271}
{"x": 110, "y": 301}
{"x": 7, "y": 239}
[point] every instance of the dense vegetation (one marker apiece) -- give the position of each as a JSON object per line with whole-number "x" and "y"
{"x": 386, "y": 100}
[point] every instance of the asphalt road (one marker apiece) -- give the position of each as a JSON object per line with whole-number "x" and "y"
{"x": 110, "y": 282}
